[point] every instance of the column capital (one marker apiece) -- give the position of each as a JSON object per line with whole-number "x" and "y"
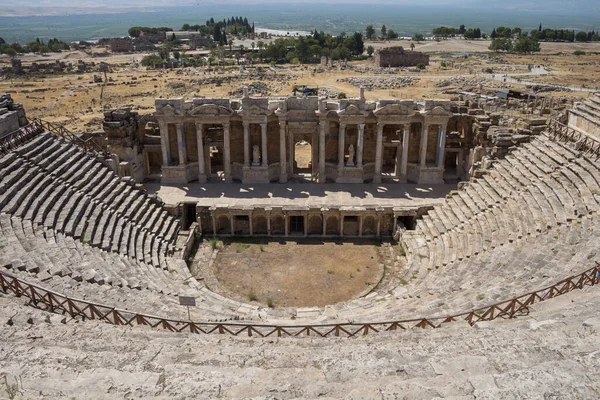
{"x": 245, "y": 123}
{"x": 361, "y": 126}
{"x": 263, "y": 124}
{"x": 343, "y": 125}
{"x": 199, "y": 124}
{"x": 226, "y": 126}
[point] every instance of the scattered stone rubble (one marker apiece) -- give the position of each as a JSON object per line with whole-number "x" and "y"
{"x": 254, "y": 88}
{"x": 381, "y": 83}
{"x": 463, "y": 83}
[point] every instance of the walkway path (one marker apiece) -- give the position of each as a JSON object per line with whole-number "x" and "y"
{"x": 302, "y": 194}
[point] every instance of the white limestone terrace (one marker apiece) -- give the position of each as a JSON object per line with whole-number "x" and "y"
{"x": 302, "y": 194}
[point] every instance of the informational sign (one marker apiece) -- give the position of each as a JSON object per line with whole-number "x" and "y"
{"x": 187, "y": 301}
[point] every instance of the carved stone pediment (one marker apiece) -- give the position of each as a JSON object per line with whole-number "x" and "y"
{"x": 351, "y": 111}
{"x": 167, "y": 110}
{"x": 210, "y": 110}
{"x": 438, "y": 112}
{"x": 394, "y": 110}
{"x": 254, "y": 110}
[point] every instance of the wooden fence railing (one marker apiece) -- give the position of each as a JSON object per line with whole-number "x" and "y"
{"x": 58, "y": 303}
{"x": 581, "y": 141}
{"x": 16, "y": 138}
{"x": 87, "y": 144}
{"x": 37, "y": 126}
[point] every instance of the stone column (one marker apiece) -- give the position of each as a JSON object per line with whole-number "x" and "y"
{"x": 359, "y": 145}
{"x": 164, "y": 143}
{"x": 360, "y": 225}
{"x": 282, "y": 152}
{"x": 214, "y": 224}
{"x": 341, "y": 138}
{"x": 263, "y": 142}
{"x": 405, "y": 139}
{"x": 285, "y": 225}
{"x": 323, "y": 124}
{"x": 269, "y": 223}
{"x": 341, "y": 225}
{"x": 324, "y": 224}
{"x": 441, "y": 147}
{"x": 378, "y": 224}
{"x": 201, "y": 162}
{"x": 378, "y": 153}
{"x": 232, "y": 223}
{"x": 306, "y": 219}
{"x": 181, "y": 145}
{"x": 246, "y": 144}
{"x": 226, "y": 153}
{"x": 251, "y": 228}
{"x": 423, "y": 150}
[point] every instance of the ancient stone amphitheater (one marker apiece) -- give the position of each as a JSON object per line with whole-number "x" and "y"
{"x": 498, "y": 299}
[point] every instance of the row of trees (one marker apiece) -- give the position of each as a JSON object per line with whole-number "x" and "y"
{"x": 385, "y": 33}
{"x": 135, "y": 31}
{"x": 525, "y": 44}
{"x": 309, "y": 49}
{"x": 546, "y": 35}
{"x": 449, "y": 31}
{"x": 36, "y": 46}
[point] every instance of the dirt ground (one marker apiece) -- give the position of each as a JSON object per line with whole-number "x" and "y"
{"x": 77, "y": 102}
{"x": 304, "y": 273}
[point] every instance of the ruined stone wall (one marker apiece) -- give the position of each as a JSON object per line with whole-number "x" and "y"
{"x": 398, "y": 57}
{"x": 12, "y": 115}
{"x": 121, "y": 45}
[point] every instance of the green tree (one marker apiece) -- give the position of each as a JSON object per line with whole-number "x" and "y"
{"x": 135, "y": 31}
{"x": 526, "y": 45}
{"x": 391, "y": 35}
{"x": 412, "y": 47}
{"x": 12, "y": 53}
{"x": 383, "y": 32}
{"x": 581, "y": 36}
{"x": 370, "y": 50}
{"x": 418, "y": 37}
{"x": 370, "y": 32}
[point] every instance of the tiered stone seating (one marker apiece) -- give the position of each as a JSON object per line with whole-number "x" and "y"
{"x": 53, "y": 183}
{"x": 589, "y": 109}
{"x": 550, "y": 353}
{"x": 538, "y": 187}
{"x": 69, "y": 223}
{"x": 66, "y": 265}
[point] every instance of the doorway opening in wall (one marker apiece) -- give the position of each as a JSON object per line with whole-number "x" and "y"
{"x": 409, "y": 222}
{"x": 297, "y": 224}
{"x": 216, "y": 162}
{"x": 389, "y": 167}
{"x": 303, "y": 160}
{"x": 189, "y": 215}
{"x": 451, "y": 174}
{"x": 154, "y": 165}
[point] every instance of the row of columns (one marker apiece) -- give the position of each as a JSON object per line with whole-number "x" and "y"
{"x": 324, "y": 125}
{"x": 166, "y": 149}
{"x": 286, "y": 224}
{"x": 441, "y": 145}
